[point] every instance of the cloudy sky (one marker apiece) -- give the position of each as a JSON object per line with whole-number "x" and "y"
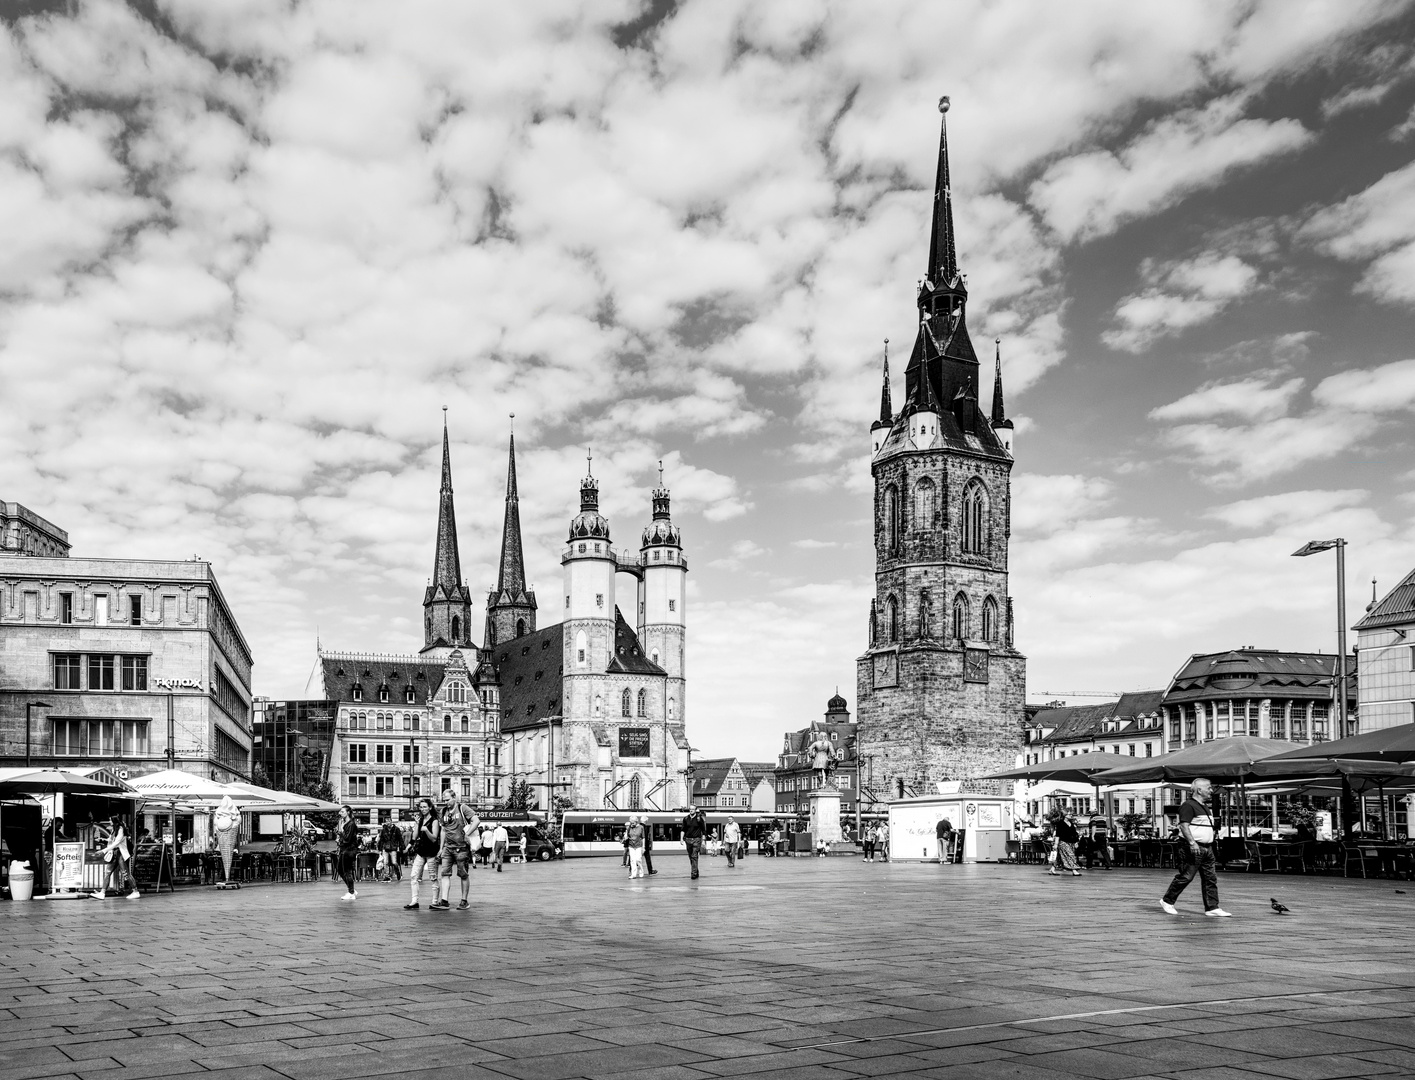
{"x": 251, "y": 249}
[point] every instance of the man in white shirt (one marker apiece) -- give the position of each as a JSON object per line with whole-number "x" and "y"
{"x": 499, "y": 839}
{"x": 1197, "y": 827}
{"x": 731, "y": 837}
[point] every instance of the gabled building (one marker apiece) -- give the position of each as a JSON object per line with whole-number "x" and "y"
{"x": 1385, "y": 658}
{"x": 941, "y": 683}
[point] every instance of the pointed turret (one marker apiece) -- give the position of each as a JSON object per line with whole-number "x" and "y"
{"x": 510, "y": 607}
{"x": 879, "y": 430}
{"x": 1001, "y": 426}
{"x": 447, "y": 605}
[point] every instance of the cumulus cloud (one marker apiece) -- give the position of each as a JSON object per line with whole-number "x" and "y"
{"x": 1180, "y": 295}
{"x": 1376, "y": 227}
{"x": 1093, "y": 193}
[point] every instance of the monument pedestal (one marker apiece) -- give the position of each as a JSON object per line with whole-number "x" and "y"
{"x": 825, "y": 815}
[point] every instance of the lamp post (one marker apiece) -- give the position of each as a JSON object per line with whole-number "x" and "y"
{"x": 1311, "y": 548}
{"x": 688, "y": 773}
{"x": 28, "y": 706}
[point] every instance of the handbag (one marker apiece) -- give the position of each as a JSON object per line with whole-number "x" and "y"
{"x": 108, "y": 855}
{"x": 382, "y": 863}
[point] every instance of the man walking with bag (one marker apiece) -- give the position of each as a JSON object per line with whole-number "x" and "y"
{"x": 1197, "y": 827}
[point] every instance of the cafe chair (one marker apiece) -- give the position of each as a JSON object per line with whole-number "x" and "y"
{"x": 1352, "y": 853}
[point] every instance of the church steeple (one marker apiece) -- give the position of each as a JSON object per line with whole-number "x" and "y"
{"x": 886, "y": 406}
{"x": 447, "y": 606}
{"x": 943, "y": 252}
{"x": 510, "y": 607}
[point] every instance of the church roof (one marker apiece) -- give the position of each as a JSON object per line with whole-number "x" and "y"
{"x": 370, "y": 671}
{"x": 446, "y": 580}
{"x": 629, "y": 658}
{"x": 511, "y": 576}
{"x": 531, "y": 668}
{"x": 1068, "y": 723}
{"x": 980, "y": 440}
{"x": 1394, "y": 609}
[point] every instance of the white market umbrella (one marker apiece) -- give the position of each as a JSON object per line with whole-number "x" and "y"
{"x": 175, "y": 786}
{"x": 283, "y": 801}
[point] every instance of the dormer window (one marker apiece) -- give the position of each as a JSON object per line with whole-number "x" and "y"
{"x": 383, "y": 693}
{"x": 408, "y": 695}
{"x": 358, "y": 693}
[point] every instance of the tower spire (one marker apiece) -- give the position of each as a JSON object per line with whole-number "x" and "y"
{"x": 447, "y": 563}
{"x": 999, "y": 413}
{"x": 886, "y": 406}
{"x": 943, "y": 254}
{"x": 512, "y": 576}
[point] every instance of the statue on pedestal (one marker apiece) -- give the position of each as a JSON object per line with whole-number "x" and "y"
{"x": 824, "y": 758}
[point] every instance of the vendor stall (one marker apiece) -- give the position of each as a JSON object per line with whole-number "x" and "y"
{"x": 984, "y": 823}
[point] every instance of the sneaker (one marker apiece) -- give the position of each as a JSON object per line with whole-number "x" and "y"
{"x": 347, "y": 896}
{"x": 439, "y": 905}
{"x": 1218, "y": 913}
{"x": 134, "y": 895}
{"x": 463, "y": 906}
{"x": 1169, "y": 909}
{"x": 99, "y": 896}
{"x": 410, "y": 907}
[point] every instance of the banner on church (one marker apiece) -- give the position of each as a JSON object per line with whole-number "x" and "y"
{"x": 633, "y": 742}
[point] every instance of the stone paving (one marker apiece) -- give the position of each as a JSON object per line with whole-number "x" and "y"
{"x": 780, "y": 968}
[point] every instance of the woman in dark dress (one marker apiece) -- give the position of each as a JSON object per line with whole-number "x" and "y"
{"x": 1066, "y": 838}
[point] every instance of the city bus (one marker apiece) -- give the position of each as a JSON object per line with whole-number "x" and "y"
{"x": 601, "y": 832}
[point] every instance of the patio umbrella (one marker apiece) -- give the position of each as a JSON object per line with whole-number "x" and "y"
{"x": 1368, "y": 774}
{"x": 283, "y": 802}
{"x": 1383, "y": 744}
{"x": 1221, "y": 760}
{"x": 36, "y": 782}
{"x": 173, "y": 785}
{"x": 1075, "y": 770}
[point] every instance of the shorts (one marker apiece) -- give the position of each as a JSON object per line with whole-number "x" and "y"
{"x": 460, "y": 854}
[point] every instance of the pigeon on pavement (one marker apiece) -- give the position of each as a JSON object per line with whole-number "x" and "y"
{"x": 1279, "y": 908}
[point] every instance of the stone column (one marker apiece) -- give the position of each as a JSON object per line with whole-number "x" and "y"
{"x": 825, "y": 814}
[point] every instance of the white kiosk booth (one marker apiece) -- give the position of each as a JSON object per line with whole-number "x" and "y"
{"x": 984, "y": 820}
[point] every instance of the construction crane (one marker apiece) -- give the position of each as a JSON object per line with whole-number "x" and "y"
{"x": 1075, "y": 693}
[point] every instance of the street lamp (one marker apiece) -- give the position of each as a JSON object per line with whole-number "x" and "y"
{"x": 28, "y": 706}
{"x": 688, "y": 773}
{"x": 1311, "y": 547}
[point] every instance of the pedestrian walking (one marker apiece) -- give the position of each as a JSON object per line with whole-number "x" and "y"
{"x": 634, "y": 839}
{"x": 485, "y": 844}
{"x": 1098, "y": 843}
{"x": 346, "y": 839}
{"x": 867, "y": 837}
{"x": 390, "y": 843}
{"x": 694, "y": 829}
{"x": 499, "y": 839}
{"x": 882, "y": 842}
{"x": 1066, "y": 837}
{"x": 427, "y": 842}
{"x": 731, "y": 838}
{"x": 116, "y": 855}
{"x": 1196, "y": 826}
{"x": 523, "y": 844}
{"x": 648, "y": 846}
{"x": 457, "y": 822}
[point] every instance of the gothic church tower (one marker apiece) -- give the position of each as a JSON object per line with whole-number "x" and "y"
{"x": 941, "y": 686}
{"x": 447, "y": 604}
{"x": 510, "y": 607}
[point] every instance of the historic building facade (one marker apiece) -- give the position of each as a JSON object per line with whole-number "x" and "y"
{"x": 941, "y": 685}
{"x": 590, "y": 708}
{"x": 795, "y": 778}
{"x": 120, "y": 661}
{"x": 23, "y": 532}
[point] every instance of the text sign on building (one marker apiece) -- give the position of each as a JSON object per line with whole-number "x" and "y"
{"x": 633, "y": 742}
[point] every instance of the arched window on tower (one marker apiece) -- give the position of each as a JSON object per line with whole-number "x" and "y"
{"x": 598, "y": 704}
{"x": 891, "y": 618}
{"x": 989, "y": 619}
{"x": 974, "y": 518}
{"x": 643, "y": 703}
{"x": 626, "y": 702}
{"x": 520, "y": 627}
{"x": 960, "y": 617}
{"x": 636, "y": 794}
{"x": 580, "y": 646}
{"x": 427, "y": 625}
{"x": 456, "y": 629}
{"x": 924, "y": 504}
{"x": 672, "y": 709}
{"x": 891, "y": 518}
{"x": 490, "y": 632}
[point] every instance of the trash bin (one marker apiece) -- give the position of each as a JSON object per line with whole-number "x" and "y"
{"x": 21, "y": 880}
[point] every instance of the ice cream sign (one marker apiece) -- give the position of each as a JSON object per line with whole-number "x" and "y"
{"x": 178, "y": 684}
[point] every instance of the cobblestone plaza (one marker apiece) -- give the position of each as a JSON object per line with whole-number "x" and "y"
{"x": 788, "y": 967}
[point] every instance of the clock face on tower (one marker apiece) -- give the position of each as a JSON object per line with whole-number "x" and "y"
{"x": 975, "y": 665}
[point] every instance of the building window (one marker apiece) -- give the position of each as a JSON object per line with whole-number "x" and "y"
{"x": 135, "y": 673}
{"x": 923, "y": 505}
{"x": 1149, "y": 749}
{"x": 520, "y": 632}
{"x": 466, "y": 788}
{"x": 1132, "y": 749}
{"x": 100, "y": 610}
{"x": 357, "y": 786}
{"x": 636, "y": 794}
{"x": 643, "y": 703}
{"x": 891, "y": 617}
{"x": 625, "y": 703}
{"x": 989, "y": 619}
{"x": 383, "y": 693}
{"x": 358, "y": 753}
{"x": 960, "y": 617}
{"x": 100, "y": 672}
{"x": 672, "y": 709}
{"x": 447, "y": 755}
{"x": 66, "y": 671}
{"x": 974, "y": 519}
{"x": 673, "y": 605}
{"x": 135, "y": 610}
{"x": 412, "y": 754}
{"x": 466, "y": 724}
{"x": 447, "y": 723}
{"x": 100, "y": 738}
{"x": 456, "y": 629}
{"x": 891, "y": 519}
{"x": 466, "y": 755}
{"x": 383, "y": 753}
{"x": 66, "y": 607}
{"x": 357, "y": 693}
{"x": 408, "y": 695}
